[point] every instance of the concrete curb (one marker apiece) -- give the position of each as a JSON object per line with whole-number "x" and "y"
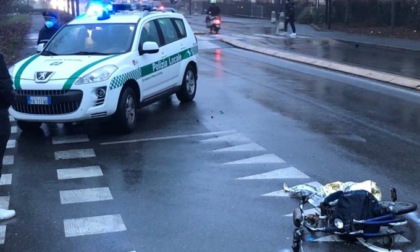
{"x": 353, "y": 70}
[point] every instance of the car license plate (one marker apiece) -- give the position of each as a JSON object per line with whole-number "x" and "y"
{"x": 39, "y": 100}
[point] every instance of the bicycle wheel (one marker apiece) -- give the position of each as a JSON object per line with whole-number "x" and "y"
{"x": 400, "y": 207}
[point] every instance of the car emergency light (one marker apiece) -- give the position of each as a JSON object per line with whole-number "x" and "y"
{"x": 99, "y": 10}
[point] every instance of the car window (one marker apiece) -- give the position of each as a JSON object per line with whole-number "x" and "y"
{"x": 168, "y": 29}
{"x": 149, "y": 33}
{"x": 179, "y": 24}
{"x": 92, "y": 39}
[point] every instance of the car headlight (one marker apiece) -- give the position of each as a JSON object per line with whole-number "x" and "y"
{"x": 338, "y": 223}
{"x": 98, "y": 75}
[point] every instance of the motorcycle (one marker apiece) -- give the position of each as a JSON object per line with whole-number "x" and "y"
{"x": 213, "y": 23}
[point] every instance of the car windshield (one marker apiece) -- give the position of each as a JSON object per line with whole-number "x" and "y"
{"x": 91, "y": 39}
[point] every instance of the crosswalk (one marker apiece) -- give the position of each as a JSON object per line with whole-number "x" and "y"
{"x": 6, "y": 178}
{"x": 236, "y": 142}
{"x": 90, "y": 225}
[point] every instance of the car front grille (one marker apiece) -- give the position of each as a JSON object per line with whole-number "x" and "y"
{"x": 62, "y": 101}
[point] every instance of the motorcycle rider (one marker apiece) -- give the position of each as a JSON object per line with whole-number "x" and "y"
{"x": 213, "y": 10}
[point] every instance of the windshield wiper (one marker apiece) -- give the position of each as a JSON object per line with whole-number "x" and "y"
{"x": 48, "y": 53}
{"x": 88, "y": 53}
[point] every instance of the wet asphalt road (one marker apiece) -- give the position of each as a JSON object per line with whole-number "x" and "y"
{"x": 176, "y": 186}
{"x": 317, "y": 44}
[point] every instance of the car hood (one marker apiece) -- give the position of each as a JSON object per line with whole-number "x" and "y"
{"x": 47, "y": 68}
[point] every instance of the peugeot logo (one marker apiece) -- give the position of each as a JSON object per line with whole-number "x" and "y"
{"x": 43, "y": 76}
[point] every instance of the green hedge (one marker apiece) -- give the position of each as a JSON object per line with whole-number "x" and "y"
{"x": 13, "y": 30}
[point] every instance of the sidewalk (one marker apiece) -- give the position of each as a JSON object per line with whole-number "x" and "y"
{"x": 399, "y": 48}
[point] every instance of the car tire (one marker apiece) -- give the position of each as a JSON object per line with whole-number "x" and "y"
{"x": 189, "y": 85}
{"x": 125, "y": 116}
{"x": 25, "y": 125}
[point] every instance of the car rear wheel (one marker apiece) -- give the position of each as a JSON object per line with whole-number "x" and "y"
{"x": 125, "y": 116}
{"x": 189, "y": 85}
{"x": 25, "y": 125}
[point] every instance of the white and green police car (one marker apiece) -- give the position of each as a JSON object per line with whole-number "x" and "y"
{"x": 106, "y": 65}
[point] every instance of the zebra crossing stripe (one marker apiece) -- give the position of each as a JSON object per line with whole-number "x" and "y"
{"x": 285, "y": 173}
{"x": 242, "y": 147}
{"x": 13, "y": 129}
{"x": 93, "y": 225}
{"x": 280, "y": 193}
{"x": 85, "y": 195}
{"x": 11, "y": 144}
{"x": 8, "y": 160}
{"x": 4, "y": 202}
{"x": 207, "y": 45}
{"x": 72, "y": 154}
{"x": 6, "y": 179}
{"x": 263, "y": 159}
{"x": 81, "y": 172}
{"x": 2, "y": 233}
{"x": 70, "y": 139}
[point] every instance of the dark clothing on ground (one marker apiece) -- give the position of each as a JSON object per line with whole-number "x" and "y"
{"x": 290, "y": 16}
{"x": 46, "y": 33}
{"x": 7, "y": 96}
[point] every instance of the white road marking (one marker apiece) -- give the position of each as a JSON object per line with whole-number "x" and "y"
{"x": 12, "y": 119}
{"x": 11, "y": 144}
{"x": 6, "y": 179}
{"x": 4, "y": 202}
{"x": 2, "y": 233}
{"x": 13, "y": 129}
{"x": 70, "y": 139}
{"x": 72, "y": 154}
{"x": 280, "y": 193}
{"x": 233, "y": 138}
{"x": 242, "y": 147}
{"x": 93, "y": 225}
{"x": 401, "y": 239}
{"x": 82, "y": 172}
{"x": 85, "y": 195}
{"x": 8, "y": 160}
{"x": 202, "y": 45}
{"x": 285, "y": 173}
{"x": 263, "y": 159}
{"x": 169, "y": 137}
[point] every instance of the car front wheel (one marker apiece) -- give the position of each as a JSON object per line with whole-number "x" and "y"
{"x": 125, "y": 116}
{"x": 189, "y": 85}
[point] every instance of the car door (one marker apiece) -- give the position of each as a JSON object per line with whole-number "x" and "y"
{"x": 152, "y": 64}
{"x": 173, "y": 51}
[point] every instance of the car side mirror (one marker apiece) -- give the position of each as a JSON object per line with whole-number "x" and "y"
{"x": 149, "y": 47}
{"x": 40, "y": 47}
